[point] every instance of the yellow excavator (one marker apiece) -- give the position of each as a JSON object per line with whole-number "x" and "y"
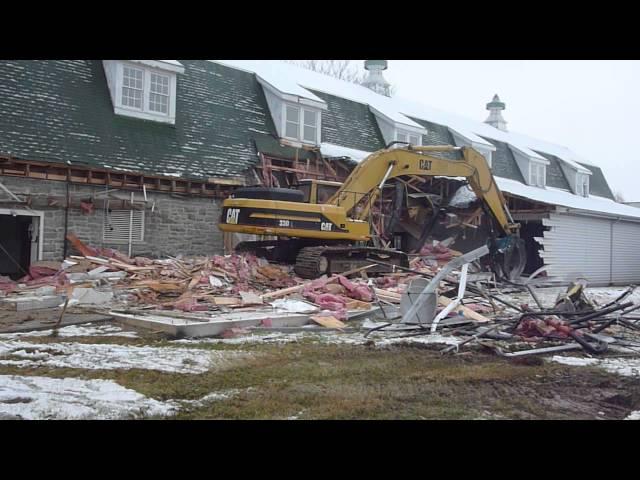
{"x": 324, "y": 227}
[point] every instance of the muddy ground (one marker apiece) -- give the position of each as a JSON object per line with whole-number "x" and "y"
{"x": 305, "y": 377}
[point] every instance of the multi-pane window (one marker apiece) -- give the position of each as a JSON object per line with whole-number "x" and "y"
{"x": 411, "y": 138}
{"x": 132, "y": 87}
{"x": 292, "y": 122}
{"x": 310, "y": 126}
{"x": 145, "y": 90}
{"x": 582, "y": 184}
{"x": 301, "y": 124}
{"x": 536, "y": 174}
{"x": 159, "y": 93}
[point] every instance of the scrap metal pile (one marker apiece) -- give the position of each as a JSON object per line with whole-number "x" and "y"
{"x": 443, "y": 292}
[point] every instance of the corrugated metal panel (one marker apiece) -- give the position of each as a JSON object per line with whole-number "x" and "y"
{"x": 578, "y": 246}
{"x": 116, "y": 226}
{"x": 626, "y": 254}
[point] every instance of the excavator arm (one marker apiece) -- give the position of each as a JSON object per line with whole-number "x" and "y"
{"x": 365, "y": 183}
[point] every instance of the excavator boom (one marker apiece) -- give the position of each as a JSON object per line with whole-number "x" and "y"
{"x": 319, "y": 231}
{"x": 367, "y": 179}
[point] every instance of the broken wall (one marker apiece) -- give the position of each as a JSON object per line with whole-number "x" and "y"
{"x": 177, "y": 225}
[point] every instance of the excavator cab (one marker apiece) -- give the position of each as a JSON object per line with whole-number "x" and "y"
{"x": 318, "y": 191}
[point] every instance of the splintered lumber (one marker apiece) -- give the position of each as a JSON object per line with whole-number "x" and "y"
{"x": 358, "y": 305}
{"x": 161, "y": 287}
{"x": 283, "y": 292}
{"x": 466, "y": 312}
{"x": 81, "y": 247}
{"x": 225, "y": 301}
{"x": 387, "y": 296}
{"x": 299, "y": 288}
{"x": 194, "y": 281}
{"x": 250, "y": 298}
{"x": 328, "y": 321}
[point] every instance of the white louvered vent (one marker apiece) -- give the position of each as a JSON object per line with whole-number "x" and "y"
{"x": 116, "y": 226}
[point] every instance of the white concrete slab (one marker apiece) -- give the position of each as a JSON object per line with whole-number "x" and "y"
{"x": 34, "y": 302}
{"x": 203, "y": 326}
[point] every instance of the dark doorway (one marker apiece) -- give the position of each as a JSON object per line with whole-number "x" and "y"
{"x": 528, "y": 230}
{"x": 15, "y": 245}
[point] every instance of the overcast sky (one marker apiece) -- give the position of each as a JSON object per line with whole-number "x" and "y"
{"x": 589, "y": 106}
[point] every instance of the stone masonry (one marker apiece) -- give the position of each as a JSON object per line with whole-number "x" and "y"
{"x": 178, "y": 224}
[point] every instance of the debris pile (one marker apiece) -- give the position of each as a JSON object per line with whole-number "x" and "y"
{"x": 442, "y": 294}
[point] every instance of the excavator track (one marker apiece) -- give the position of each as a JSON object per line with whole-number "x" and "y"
{"x": 313, "y": 262}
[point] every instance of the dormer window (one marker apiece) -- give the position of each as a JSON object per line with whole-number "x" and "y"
{"x": 144, "y": 89}
{"x": 537, "y": 174}
{"x": 582, "y": 185}
{"x": 132, "y": 82}
{"x": 301, "y": 124}
{"x": 409, "y": 137}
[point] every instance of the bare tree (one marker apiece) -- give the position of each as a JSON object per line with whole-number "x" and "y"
{"x": 341, "y": 69}
{"x": 619, "y": 197}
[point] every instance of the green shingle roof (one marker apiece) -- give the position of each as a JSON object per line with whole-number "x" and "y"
{"x": 598, "y": 183}
{"x": 555, "y": 175}
{"x": 438, "y": 135}
{"x": 349, "y": 124}
{"x": 503, "y": 163}
{"x": 60, "y": 110}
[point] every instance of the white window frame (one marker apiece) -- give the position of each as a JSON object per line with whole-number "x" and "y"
{"x": 167, "y": 95}
{"x": 122, "y": 87}
{"x": 407, "y": 137}
{"x": 582, "y": 184}
{"x": 301, "y": 123}
{"x": 537, "y": 174}
{"x": 145, "y": 112}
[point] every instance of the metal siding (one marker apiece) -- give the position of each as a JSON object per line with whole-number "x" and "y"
{"x": 626, "y": 254}
{"x": 577, "y": 246}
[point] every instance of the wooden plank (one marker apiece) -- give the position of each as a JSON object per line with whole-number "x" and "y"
{"x": 466, "y": 312}
{"x": 328, "y": 322}
{"x": 81, "y": 247}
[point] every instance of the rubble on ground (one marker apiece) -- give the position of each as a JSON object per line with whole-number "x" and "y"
{"x": 234, "y": 296}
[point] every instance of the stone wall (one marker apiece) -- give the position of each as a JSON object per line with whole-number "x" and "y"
{"x": 177, "y": 225}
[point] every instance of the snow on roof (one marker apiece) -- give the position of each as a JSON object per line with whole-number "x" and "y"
{"x": 296, "y": 80}
{"x": 292, "y": 79}
{"x": 563, "y": 153}
{"x": 555, "y": 196}
{"x": 172, "y": 62}
{"x": 330, "y": 150}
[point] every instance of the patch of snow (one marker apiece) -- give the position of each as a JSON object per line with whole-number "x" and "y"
{"x": 111, "y": 357}
{"x": 629, "y": 367}
{"x": 297, "y": 81}
{"x": 275, "y": 337}
{"x": 43, "y": 398}
{"x": 633, "y": 415}
{"x": 102, "y": 330}
{"x": 330, "y": 150}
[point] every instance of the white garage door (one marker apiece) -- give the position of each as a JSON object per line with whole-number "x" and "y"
{"x": 626, "y": 252}
{"x": 602, "y": 251}
{"x": 578, "y": 246}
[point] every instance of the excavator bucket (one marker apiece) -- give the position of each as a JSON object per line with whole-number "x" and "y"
{"x": 510, "y": 258}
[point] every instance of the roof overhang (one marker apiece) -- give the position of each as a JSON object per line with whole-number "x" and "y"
{"x": 169, "y": 65}
{"x": 288, "y": 97}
